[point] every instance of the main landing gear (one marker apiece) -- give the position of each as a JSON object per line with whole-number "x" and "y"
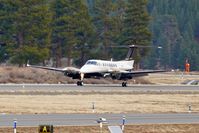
{"x": 80, "y": 83}
{"x": 124, "y": 84}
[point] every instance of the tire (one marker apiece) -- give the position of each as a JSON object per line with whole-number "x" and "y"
{"x": 79, "y": 83}
{"x": 124, "y": 84}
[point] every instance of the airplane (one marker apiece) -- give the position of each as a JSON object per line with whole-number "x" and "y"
{"x": 119, "y": 70}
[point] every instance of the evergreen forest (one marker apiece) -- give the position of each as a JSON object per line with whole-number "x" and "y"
{"x": 41, "y": 30}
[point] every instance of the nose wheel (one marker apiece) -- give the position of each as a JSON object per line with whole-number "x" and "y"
{"x": 80, "y": 83}
{"x": 124, "y": 84}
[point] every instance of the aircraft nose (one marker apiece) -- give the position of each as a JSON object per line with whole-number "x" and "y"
{"x": 83, "y": 69}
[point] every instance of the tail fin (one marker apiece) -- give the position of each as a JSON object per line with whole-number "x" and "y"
{"x": 133, "y": 48}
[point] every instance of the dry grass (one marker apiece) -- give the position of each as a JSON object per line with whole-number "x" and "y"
{"x": 29, "y": 75}
{"x": 171, "y": 77}
{"x": 72, "y": 103}
{"x": 33, "y": 75}
{"x": 157, "y": 128}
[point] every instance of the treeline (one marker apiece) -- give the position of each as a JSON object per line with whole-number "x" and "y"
{"x": 39, "y": 30}
{"x": 175, "y": 27}
{"x": 36, "y": 30}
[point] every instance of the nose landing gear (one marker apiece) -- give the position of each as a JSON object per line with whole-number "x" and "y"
{"x": 80, "y": 83}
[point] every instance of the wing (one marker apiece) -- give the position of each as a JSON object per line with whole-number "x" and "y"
{"x": 47, "y": 68}
{"x": 124, "y": 75}
{"x": 68, "y": 71}
{"x": 146, "y": 71}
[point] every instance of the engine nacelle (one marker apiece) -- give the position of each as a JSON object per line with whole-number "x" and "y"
{"x": 107, "y": 75}
{"x": 121, "y": 76}
{"x": 72, "y": 75}
{"x": 116, "y": 76}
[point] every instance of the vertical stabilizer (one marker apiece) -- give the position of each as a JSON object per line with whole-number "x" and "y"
{"x": 130, "y": 53}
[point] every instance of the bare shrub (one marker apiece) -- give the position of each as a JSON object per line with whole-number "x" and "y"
{"x": 12, "y": 75}
{"x": 21, "y": 75}
{"x": 9, "y": 68}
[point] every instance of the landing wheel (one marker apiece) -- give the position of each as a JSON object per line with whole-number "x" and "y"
{"x": 124, "y": 84}
{"x": 79, "y": 83}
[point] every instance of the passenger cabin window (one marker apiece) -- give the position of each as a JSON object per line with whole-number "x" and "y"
{"x": 91, "y": 63}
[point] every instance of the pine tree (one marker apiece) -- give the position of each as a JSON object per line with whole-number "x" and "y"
{"x": 28, "y": 29}
{"x": 7, "y": 28}
{"x": 84, "y": 33}
{"x": 63, "y": 25}
{"x": 118, "y": 53}
{"x": 71, "y": 28}
{"x": 105, "y": 24}
{"x": 136, "y": 25}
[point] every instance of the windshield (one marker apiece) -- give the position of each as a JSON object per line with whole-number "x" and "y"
{"x": 92, "y": 63}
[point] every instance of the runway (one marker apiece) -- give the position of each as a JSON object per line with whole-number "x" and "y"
{"x": 90, "y": 119}
{"x": 96, "y": 87}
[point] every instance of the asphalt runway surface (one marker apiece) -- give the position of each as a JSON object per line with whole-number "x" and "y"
{"x": 90, "y": 119}
{"x": 96, "y": 87}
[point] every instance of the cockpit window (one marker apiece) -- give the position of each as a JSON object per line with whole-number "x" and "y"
{"x": 92, "y": 63}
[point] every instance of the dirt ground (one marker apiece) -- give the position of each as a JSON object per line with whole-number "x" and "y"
{"x": 157, "y": 128}
{"x": 104, "y": 103}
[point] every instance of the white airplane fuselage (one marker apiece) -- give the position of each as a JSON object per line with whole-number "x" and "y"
{"x": 103, "y": 66}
